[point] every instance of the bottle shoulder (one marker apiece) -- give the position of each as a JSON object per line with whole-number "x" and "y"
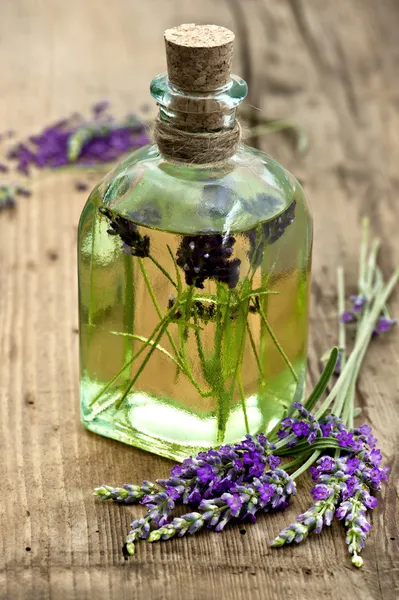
{"x": 245, "y": 190}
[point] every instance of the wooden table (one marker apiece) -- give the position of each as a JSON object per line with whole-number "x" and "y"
{"x": 332, "y": 66}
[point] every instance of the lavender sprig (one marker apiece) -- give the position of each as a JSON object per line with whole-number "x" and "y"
{"x": 270, "y": 491}
{"x": 127, "y": 494}
{"x": 343, "y": 486}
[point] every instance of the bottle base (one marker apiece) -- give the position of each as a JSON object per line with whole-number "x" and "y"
{"x": 164, "y": 429}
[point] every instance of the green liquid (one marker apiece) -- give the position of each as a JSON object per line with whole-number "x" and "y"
{"x": 206, "y": 383}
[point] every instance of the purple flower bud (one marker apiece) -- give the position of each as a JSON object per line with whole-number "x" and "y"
{"x": 300, "y": 429}
{"x": 347, "y": 317}
{"x": 234, "y": 502}
{"x": 345, "y": 439}
{"x": 370, "y": 501}
{"x": 375, "y": 457}
{"x": 326, "y": 464}
{"x": 205, "y": 474}
{"x": 358, "y": 302}
{"x": 321, "y": 492}
{"x": 384, "y": 325}
{"x": 274, "y": 461}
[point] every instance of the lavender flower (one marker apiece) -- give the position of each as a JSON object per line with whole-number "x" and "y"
{"x": 139, "y": 530}
{"x": 208, "y": 257}
{"x": 353, "y": 513}
{"x": 269, "y": 232}
{"x": 133, "y": 242}
{"x": 77, "y": 140}
{"x": 358, "y": 302}
{"x": 347, "y": 317}
{"x": 314, "y": 519}
{"x": 384, "y": 325}
{"x": 304, "y": 427}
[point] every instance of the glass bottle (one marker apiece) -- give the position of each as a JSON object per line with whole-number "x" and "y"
{"x": 193, "y": 284}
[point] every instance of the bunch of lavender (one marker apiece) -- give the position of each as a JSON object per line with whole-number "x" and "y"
{"x": 236, "y": 481}
{"x": 344, "y": 483}
{"x": 233, "y": 482}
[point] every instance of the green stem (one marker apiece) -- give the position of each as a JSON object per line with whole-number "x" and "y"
{"x": 92, "y": 255}
{"x": 361, "y": 344}
{"x": 130, "y": 362}
{"x": 306, "y": 464}
{"x": 294, "y": 463}
{"x": 119, "y": 402}
{"x": 217, "y": 383}
{"x": 160, "y": 267}
{"x": 242, "y": 396}
{"x": 181, "y": 359}
{"x": 255, "y": 352}
{"x": 200, "y": 346}
{"x": 341, "y": 310}
{"x": 128, "y": 307}
{"x": 156, "y": 305}
{"x": 363, "y": 255}
{"x": 141, "y": 338}
{"x": 277, "y": 344}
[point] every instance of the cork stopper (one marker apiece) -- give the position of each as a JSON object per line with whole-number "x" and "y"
{"x": 199, "y": 57}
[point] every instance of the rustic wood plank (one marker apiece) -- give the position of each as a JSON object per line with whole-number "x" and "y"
{"x": 333, "y": 68}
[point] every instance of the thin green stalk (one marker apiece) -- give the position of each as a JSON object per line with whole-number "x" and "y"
{"x": 217, "y": 382}
{"x": 277, "y": 344}
{"x": 183, "y": 360}
{"x": 156, "y": 305}
{"x": 371, "y": 266}
{"x": 363, "y": 255}
{"x": 306, "y": 464}
{"x": 254, "y": 350}
{"x": 361, "y": 342}
{"x": 297, "y": 461}
{"x": 141, "y": 338}
{"x": 200, "y": 347}
{"x": 182, "y": 328}
{"x": 130, "y": 362}
{"x": 347, "y": 415}
{"x": 341, "y": 310}
{"x": 92, "y": 255}
{"x": 242, "y": 396}
{"x": 160, "y": 267}
{"x": 128, "y": 307}
{"x": 119, "y": 402}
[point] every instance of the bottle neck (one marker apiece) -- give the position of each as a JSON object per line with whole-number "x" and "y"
{"x": 197, "y": 128}
{"x": 198, "y": 122}
{"x": 203, "y": 112}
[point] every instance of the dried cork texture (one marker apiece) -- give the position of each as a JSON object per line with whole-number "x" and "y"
{"x": 199, "y": 57}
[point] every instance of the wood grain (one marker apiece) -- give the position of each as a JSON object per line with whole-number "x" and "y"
{"x": 333, "y": 67}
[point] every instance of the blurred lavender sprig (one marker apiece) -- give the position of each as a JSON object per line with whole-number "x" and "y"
{"x": 77, "y": 140}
